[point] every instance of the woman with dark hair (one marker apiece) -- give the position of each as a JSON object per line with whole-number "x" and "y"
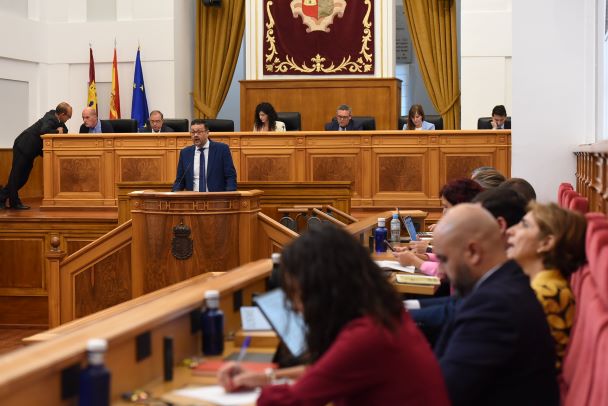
{"x": 415, "y": 119}
{"x": 362, "y": 346}
{"x": 265, "y": 119}
{"x": 549, "y": 244}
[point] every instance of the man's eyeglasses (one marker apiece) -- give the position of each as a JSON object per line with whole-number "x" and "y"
{"x": 342, "y": 117}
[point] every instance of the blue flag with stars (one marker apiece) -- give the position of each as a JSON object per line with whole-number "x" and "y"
{"x": 139, "y": 107}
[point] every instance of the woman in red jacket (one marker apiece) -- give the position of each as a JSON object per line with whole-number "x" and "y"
{"x": 363, "y": 349}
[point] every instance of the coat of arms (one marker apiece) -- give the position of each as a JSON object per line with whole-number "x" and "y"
{"x": 318, "y": 15}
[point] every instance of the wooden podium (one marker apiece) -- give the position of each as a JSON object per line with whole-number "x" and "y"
{"x": 180, "y": 235}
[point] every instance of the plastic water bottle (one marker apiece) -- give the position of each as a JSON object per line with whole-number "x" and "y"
{"x": 212, "y": 324}
{"x": 94, "y": 384}
{"x": 395, "y": 229}
{"x": 380, "y": 235}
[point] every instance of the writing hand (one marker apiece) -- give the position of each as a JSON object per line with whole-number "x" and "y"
{"x": 232, "y": 377}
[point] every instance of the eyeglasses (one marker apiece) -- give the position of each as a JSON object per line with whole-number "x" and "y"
{"x": 199, "y": 132}
{"x": 342, "y": 117}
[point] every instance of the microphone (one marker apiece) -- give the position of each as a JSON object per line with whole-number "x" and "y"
{"x": 184, "y": 174}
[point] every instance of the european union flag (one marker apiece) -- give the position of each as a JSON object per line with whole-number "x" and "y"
{"x": 139, "y": 107}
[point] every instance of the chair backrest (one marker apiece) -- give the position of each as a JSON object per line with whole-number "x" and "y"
{"x": 560, "y": 191}
{"x": 123, "y": 125}
{"x": 567, "y": 198}
{"x": 367, "y": 123}
{"x": 217, "y": 125}
{"x": 179, "y": 125}
{"x": 291, "y": 119}
{"x": 431, "y": 118}
{"x": 580, "y": 204}
{"x": 484, "y": 122}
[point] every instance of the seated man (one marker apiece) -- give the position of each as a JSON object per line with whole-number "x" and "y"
{"x": 205, "y": 166}
{"x": 497, "y": 349}
{"x": 499, "y": 120}
{"x": 91, "y": 124}
{"x": 343, "y": 121}
{"x": 156, "y": 124}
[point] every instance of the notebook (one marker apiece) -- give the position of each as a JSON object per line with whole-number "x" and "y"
{"x": 288, "y": 325}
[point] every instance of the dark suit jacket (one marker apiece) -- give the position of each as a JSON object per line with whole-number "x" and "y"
{"x": 164, "y": 129}
{"x": 221, "y": 175}
{"x": 497, "y": 349}
{"x": 105, "y": 128}
{"x": 29, "y": 141}
{"x": 487, "y": 125}
{"x": 333, "y": 126}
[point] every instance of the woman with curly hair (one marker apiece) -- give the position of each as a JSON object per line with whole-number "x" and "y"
{"x": 549, "y": 244}
{"x": 363, "y": 347}
{"x": 265, "y": 119}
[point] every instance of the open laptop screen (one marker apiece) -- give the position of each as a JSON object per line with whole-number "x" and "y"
{"x": 288, "y": 325}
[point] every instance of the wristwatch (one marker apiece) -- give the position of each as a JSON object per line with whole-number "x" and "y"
{"x": 270, "y": 375}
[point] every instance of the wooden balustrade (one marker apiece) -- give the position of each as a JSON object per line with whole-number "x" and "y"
{"x": 592, "y": 175}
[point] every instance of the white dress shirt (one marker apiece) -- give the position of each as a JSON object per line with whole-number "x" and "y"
{"x": 197, "y": 165}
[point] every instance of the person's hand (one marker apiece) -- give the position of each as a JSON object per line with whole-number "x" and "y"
{"x": 401, "y": 249}
{"x": 233, "y": 377}
{"x": 60, "y": 130}
{"x": 494, "y": 125}
{"x": 407, "y": 258}
{"x": 419, "y": 247}
{"x": 432, "y": 227}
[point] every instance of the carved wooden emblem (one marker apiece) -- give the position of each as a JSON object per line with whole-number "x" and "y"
{"x": 181, "y": 245}
{"x": 318, "y": 15}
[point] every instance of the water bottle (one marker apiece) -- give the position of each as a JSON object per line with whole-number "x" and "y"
{"x": 275, "y": 276}
{"x": 94, "y": 383}
{"x": 395, "y": 229}
{"x": 380, "y": 235}
{"x": 212, "y": 324}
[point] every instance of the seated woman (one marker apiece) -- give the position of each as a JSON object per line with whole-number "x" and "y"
{"x": 549, "y": 244}
{"x": 415, "y": 119}
{"x": 265, "y": 119}
{"x": 363, "y": 348}
{"x": 452, "y": 193}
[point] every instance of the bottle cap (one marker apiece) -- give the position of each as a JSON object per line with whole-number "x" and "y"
{"x": 276, "y": 258}
{"x": 212, "y": 294}
{"x": 381, "y": 221}
{"x": 97, "y": 345}
{"x": 395, "y": 216}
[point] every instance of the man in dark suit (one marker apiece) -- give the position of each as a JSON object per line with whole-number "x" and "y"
{"x": 497, "y": 349}
{"x": 205, "y": 166}
{"x": 499, "y": 120}
{"x": 91, "y": 123}
{"x": 343, "y": 120}
{"x": 156, "y": 124}
{"x": 27, "y": 147}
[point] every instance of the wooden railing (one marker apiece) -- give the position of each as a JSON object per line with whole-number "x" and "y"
{"x": 592, "y": 175}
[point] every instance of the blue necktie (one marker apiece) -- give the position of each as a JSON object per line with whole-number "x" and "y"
{"x": 201, "y": 174}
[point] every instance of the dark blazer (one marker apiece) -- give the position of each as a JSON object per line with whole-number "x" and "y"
{"x": 333, "y": 126}
{"x": 164, "y": 129}
{"x": 487, "y": 125}
{"x": 29, "y": 141}
{"x": 105, "y": 128}
{"x": 221, "y": 175}
{"x": 497, "y": 349}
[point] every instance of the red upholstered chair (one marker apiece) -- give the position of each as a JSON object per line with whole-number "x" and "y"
{"x": 560, "y": 191}
{"x": 580, "y": 204}
{"x": 567, "y": 197}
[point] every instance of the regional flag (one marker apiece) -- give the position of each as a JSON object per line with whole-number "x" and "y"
{"x": 115, "y": 92}
{"x": 139, "y": 108}
{"x": 92, "y": 96}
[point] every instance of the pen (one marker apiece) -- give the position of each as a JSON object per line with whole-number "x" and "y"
{"x": 243, "y": 351}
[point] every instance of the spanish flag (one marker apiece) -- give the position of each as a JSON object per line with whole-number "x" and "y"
{"x": 115, "y": 92}
{"x": 92, "y": 98}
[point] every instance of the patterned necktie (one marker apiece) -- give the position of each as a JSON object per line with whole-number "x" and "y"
{"x": 201, "y": 177}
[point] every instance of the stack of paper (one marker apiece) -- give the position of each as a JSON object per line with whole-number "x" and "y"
{"x": 394, "y": 265}
{"x": 418, "y": 279}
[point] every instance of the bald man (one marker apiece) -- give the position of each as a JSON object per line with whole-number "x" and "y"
{"x": 497, "y": 349}
{"x": 92, "y": 124}
{"x": 27, "y": 147}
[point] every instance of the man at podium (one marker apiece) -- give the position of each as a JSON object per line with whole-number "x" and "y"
{"x": 205, "y": 166}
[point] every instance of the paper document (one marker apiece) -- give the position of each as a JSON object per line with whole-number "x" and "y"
{"x": 418, "y": 279}
{"x": 395, "y": 265}
{"x": 213, "y": 394}
{"x": 252, "y": 319}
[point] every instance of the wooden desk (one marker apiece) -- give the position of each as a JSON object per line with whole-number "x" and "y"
{"x": 408, "y": 288}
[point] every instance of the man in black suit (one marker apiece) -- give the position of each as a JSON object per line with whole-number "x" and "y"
{"x": 156, "y": 124}
{"x": 91, "y": 123}
{"x": 27, "y": 147}
{"x": 343, "y": 121}
{"x": 499, "y": 120}
{"x": 497, "y": 349}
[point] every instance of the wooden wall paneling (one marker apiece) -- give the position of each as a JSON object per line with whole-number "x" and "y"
{"x": 317, "y": 99}
{"x": 33, "y": 188}
{"x": 399, "y": 174}
{"x": 592, "y": 174}
{"x": 23, "y": 261}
